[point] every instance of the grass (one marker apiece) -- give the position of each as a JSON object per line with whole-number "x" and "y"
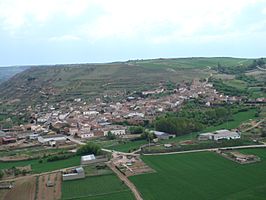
{"x": 203, "y": 176}
{"x": 236, "y": 84}
{"x": 238, "y": 118}
{"x": 128, "y": 146}
{"x": 45, "y": 166}
{"x": 96, "y": 188}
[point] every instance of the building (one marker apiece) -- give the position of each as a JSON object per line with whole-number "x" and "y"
{"x": 52, "y": 139}
{"x": 220, "y": 135}
{"x": 225, "y": 134}
{"x": 115, "y": 130}
{"x": 77, "y": 173}
{"x": 89, "y": 159}
{"x": 86, "y": 135}
{"x": 163, "y": 136}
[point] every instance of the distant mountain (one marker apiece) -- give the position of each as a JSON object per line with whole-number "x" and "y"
{"x": 8, "y": 72}
{"x": 114, "y": 80}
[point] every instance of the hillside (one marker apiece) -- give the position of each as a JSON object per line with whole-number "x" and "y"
{"x": 66, "y": 82}
{"x": 8, "y": 72}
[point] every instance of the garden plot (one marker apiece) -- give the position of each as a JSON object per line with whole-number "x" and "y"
{"x": 130, "y": 165}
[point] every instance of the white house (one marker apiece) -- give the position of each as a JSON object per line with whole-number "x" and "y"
{"x": 86, "y": 135}
{"x": 219, "y": 135}
{"x": 90, "y": 113}
{"x": 115, "y": 130}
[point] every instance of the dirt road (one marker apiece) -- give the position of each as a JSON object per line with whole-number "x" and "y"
{"x": 123, "y": 178}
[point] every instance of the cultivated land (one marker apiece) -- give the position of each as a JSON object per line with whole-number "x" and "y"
{"x": 38, "y": 167}
{"x": 204, "y": 175}
{"x": 96, "y": 187}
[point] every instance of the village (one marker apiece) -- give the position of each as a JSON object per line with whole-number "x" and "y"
{"x": 52, "y": 124}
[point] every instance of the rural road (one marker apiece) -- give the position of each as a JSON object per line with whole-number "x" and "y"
{"x": 254, "y": 126}
{"x": 212, "y": 149}
{"x": 123, "y": 178}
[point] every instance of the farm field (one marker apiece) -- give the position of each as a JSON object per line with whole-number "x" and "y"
{"x": 45, "y": 166}
{"x": 204, "y": 175}
{"x": 96, "y": 188}
{"x": 24, "y": 189}
{"x": 47, "y": 193}
{"x": 129, "y": 146}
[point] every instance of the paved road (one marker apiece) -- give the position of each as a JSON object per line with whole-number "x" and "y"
{"x": 123, "y": 178}
{"x": 212, "y": 149}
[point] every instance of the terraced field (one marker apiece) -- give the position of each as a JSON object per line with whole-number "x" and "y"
{"x": 203, "y": 176}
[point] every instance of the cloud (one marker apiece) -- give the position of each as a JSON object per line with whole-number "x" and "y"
{"x": 16, "y": 14}
{"x": 156, "y": 22}
{"x": 64, "y": 38}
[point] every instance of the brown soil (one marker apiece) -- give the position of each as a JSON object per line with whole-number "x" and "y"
{"x": 23, "y": 189}
{"x": 49, "y": 193}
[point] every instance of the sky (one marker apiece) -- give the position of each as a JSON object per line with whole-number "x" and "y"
{"x": 89, "y": 31}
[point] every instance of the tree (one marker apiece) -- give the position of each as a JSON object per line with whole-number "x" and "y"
{"x": 136, "y": 129}
{"x": 1, "y": 174}
{"x": 110, "y": 135}
{"x": 148, "y": 135}
{"x": 89, "y": 148}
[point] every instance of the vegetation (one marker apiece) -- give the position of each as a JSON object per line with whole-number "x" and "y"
{"x": 110, "y": 136}
{"x": 240, "y": 68}
{"x": 184, "y": 176}
{"x": 136, "y": 129}
{"x": 193, "y": 117}
{"x": 44, "y": 166}
{"x": 97, "y": 187}
{"x": 89, "y": 148}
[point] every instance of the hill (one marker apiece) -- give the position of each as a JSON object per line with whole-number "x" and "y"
{"x": 8, "y": 72}
{"x": 66, "y": 82}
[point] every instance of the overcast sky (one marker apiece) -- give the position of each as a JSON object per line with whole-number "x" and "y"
{"x": 78, "y": 31}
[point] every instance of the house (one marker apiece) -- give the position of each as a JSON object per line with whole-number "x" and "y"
{"x": 33, "y": 136}
{"x": 77, "y": 173}
{"x": 115, "y": 130}
{"x": 52, "y": 139}
{"x": 163, "y": 135}
{"x": 205, "y": 136}
{"x": 86, "y": 135}
{"x": 219, "y": 135}
{"x": 8, "y": 139}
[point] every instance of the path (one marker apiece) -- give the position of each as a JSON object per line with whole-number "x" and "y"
{"x": 212, "y": 149}
{"x": 254, "y": 126}
{"x": 123, "y": 178}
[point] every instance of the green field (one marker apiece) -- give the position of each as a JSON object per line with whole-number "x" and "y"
{"x": 128, "y": 146}
{"x": 238, "y": 118}
{"x": 96, "y": 188}
{"x": 45, "y": 166}
{"x": 202, "y": 176}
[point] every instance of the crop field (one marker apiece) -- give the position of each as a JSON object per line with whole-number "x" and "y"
{"x": 96, "y": 188}
{"x": 45, "y": 166}
{"x": 24, "y": 189}
{"x": 129, "y": 146}
{"x": 202, "y": 176}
